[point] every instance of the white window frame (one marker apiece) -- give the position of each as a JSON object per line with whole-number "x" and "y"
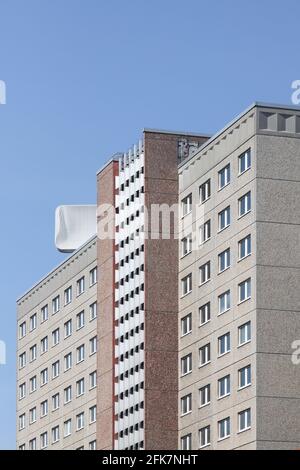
{"x": 93, "y": 379}
{"x": 22, "y": 360}
{"x": 204, "y": 313}
{"x": 93, "y": 345}
{"x": 204, "y": 355}
{"x": 245, "y": 157}
{"x": 93, "y": 276}
{"x": 55, "y": 305}
{"x": 186, "y": 325}
{"x": 22, "y": 421}
{"x": 245, "y": 416}
{"x": 55, "y": 434}
{"x": 80, "y": 353}
{"x": 93, "y": 414}
{"x": 186, "y": 442}
{"x": 32, "y": 444}
{"x": 55, "y": 369}
{"x": 186, "y": 404}
{"x": 245, "y": 201}
{"x": 68, "y": 394}
{"x": 32, "y": 415}
{"x": 33, "y": 322}
{"x": 186, "y": 285}
{"x": 246, "y": 243}
{"x": 93, "y": 445}
{"x": 227, "y": 303}
{"x": 68, "y": 328}
{"x": 44, "y": 408}
{"x": 186, "y": 245}
{"x": 55, "y": 401}
{"x": 226, "y": 212}
{"x": 44, "y": 313}
{"x": 244, "y": 330}
{"x": 186, "y": 364}
{"x": 244, "y": 375}
{"x": 32, "y": 384}
{"x": 93, "y": 311}
{"x": 227, "y": 429}
{"x": 246, "y": 287}
{"x": 68, "y": 295}
{"x": 80, "y": 320}
{"x": 22, "y": 391}
{"x": 68, "y": 361}
{"x": 80, "y": 387}
{"x": 68, "y": 427}
{"x": 186, "y": 205}
{"x": 44, "y": 440}
{"x": 44, "y": 345}
{"x": 205, "y": 191}
{"x": 204, "y": 396}
{"x": 55, "y": 337}
{"x": 80, "y": 421}
{"x": 22, "y": 330}
{"x": 44, "y": 377}
{"x": 224, "y": 382}
{"x": 204, "y": 273}
{"x": 205, "y": 232}
{"x": 224, "y": 260}
{"x": 33, "y": 353}
{"x": 224, "y": 340}
{"x": 224, "y": 173}
{"x": 204, "y": 437}
{"x": 80, "y": 286}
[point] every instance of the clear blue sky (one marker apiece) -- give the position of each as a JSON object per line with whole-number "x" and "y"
{"x": 84, "y": 77}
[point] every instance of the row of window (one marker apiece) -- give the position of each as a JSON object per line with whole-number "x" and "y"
{"x": 131, "y": 313}
{"x": 32, "y": 444}
{"x": 223, "y": 430}
{"x": 130, "y": 199}
{"x": 224, "y": 347}
{"x": 224, "y": 390}
{"x": 131, "y": 179}
{"x": 224, "y": 178}
{"x": 44, "y": 374}
{"x": 127, "y": 277}
{"x": 131, "y": 429}
{"x": 131, "y": 256}
{"x": 56, "y": 303}
{"x": 68, "y": 328}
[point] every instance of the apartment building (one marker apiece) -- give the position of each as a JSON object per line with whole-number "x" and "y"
{"x": 239, "y": 281}
{"x": 192, "y": 347}
{"x": 57, "y": 357}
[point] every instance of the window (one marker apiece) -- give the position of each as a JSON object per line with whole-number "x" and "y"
{"x": 44, "y": 440}
{"x": 245, "y": 290}
{"x": 244, "y": 333}
{"x": 245, "y": 161}
{"x": 33, "y": 322}
{"x": 68, "y": 328}
{"x": 224, "y": 428}
{"x": 80, "y": 285}
{"x": 245, "y": 247}
{"x": 22, "y": 330}
{"x": 224, "y": 260}
{"x": 186, "y": 404}
{"x": 186, "y": 245}
{"x": 186, "y": 205}
{"x": 93, "y": 345}
{"x": 44, "y": 345}
{"x": 224, "y": 302}
{"x": 55, "y": 337}
{"x": 22, "y": 447}
{"x": 44, "y": 408}
{"x": 79, "y": 421}
{"x": 244, "y": 376}
{"x": 224, "y": 344}
{"x": 186, "y": 285}
{"x": 204, "y": 395}
{"x": 224, "y": 176}
{"x": 93, "y": 276}
{"x": 93, "y": 379}
{"x": 44, "y": 377}
{"x": 93, "y": 414}
{"x": 55, "y": 305}
{"x": 224, "y": 218}
{"x": 186, "y": 325}
{"x": 204, "y": 355}
{"x": 33, "y": 353}
{"x": 93, "y": 445}
{"x": 204, "y": 313}
{"x": 32, "y": 415}
{"x": 224, "y": 386}
{"x": 55, "y": 369}
{"x": 68, "y": 361}
{"x": 204, "y": 191}
{"x": 22, "y": 391}
{"x": 22, "y": 360}
{"x": 186, "y": 442}
{"x": 205, "y": 231}
{"x": 44, "y": 313}
{"x": 67, "y": 427}
{"x": 80, "y": 387}
{"x": 68, "y": 394}
{"x": 93, "y": 311}
{"x": 80, "y": 320}
{"x": 22, "y": 422}
{"x": 245, "y": 420}
{"x": 55, "y": 434}
{"x": 32, "y": 444}
{"x": 204, "y": 272}
{"x": 186, "y": 364}
{"x": 68, "y": 295}
{"x": 32, "y": 384}
{"x": 204, "y": 437}
{"x": 80, "y": 353}
{"x": 245, "y": 204}
{"x": 55, "y": 402}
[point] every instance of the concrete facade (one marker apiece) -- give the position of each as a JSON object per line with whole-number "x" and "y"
{"x": 271, "y": 135}
{"x": 52, "y": 417}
